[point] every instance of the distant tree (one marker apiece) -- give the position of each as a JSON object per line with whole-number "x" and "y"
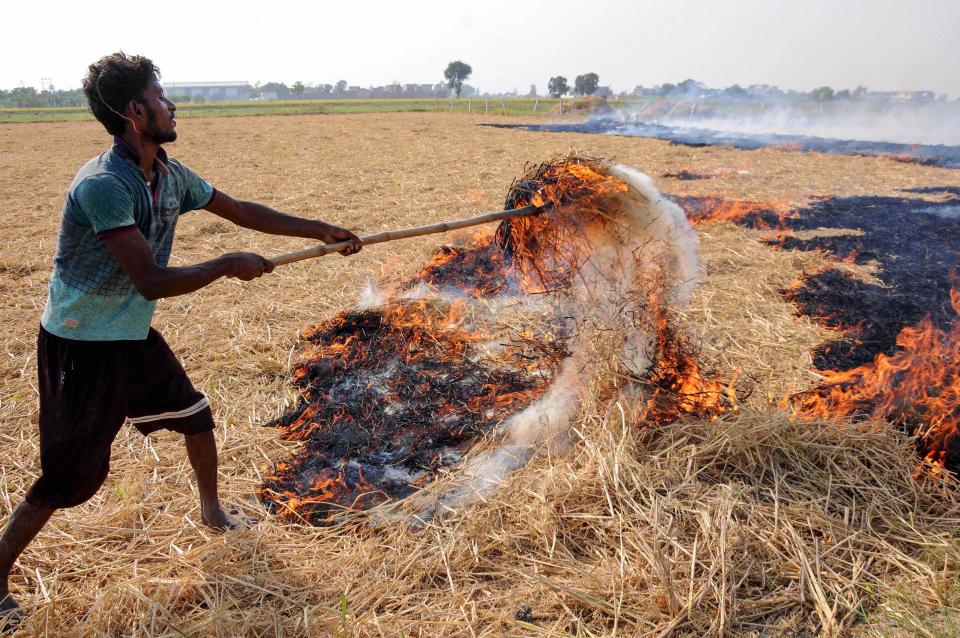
{"x": 297, "y": 89}
{"x": 688, "y": 86}
{"x": 735, "y": 91}
{"x": 557, "y": 86}
{"x": 455, "y": 73}
{"x": 533, "y": 91}
{"x": 822, "y": 94}
{"x": 28, "y": 96}
{"x": 198, "y": 98}
{"x": 255, "y": 91}
{"x": 666, "y": 89}
{"x": 843, "y": 94}
{"x": 858, "y": 92}
{"x": 282, "y": 90}
{"x": 586, "y": 84}
{"x": 340, "y": 86}
{"x": 325, "y": 89}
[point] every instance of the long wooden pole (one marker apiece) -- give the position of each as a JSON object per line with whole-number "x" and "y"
{"x": 405, "y": 233}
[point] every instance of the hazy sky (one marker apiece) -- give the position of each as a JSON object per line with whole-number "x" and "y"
{"x": 801, "y": 44}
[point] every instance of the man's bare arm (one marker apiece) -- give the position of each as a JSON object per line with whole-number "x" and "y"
{"x": 267, "y": 220}
{"x": 154, "y": 281}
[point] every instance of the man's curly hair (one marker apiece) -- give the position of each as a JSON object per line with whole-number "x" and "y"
{"x": 114, "y": 80}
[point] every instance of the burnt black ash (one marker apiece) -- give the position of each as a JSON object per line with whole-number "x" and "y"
{"x": 390, "y": 404}
{"x": 466, "y": 269}
{"x": 685, "y": 174}
{"x": 928, "y": 154}
{"x": 915, "y": 244}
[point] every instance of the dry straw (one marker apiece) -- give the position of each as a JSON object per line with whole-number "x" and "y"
{"x": 753, "y": 525}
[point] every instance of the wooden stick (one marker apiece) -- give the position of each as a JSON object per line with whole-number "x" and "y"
{"x": 404, "y": 233}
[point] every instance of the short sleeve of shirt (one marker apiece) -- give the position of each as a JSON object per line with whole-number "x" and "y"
{"x": 197, "y": 192}
{"x": 104, "y": 203}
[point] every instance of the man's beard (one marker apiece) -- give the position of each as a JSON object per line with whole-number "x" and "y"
{"x": 154, "y": 133}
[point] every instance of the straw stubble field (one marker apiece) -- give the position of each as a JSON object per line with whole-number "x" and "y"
{"x": 753, "y": 525}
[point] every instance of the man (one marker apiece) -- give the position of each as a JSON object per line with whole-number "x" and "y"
{"x": 99, "y": 361}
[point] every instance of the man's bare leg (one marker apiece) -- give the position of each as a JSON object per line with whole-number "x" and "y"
{"x": 202, "y": 452}
{"x": 25, "y": 522}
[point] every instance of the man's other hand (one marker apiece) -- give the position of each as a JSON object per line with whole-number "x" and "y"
{"x": 247, "y": 266}
{"x": 333, "y": 234}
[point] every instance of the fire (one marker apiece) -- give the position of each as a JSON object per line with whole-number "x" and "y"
{"x": 678, "y": 385}
{"x": 392, "y": 397}
{"x": 547, "y": 250}
{"x": 475, "y": 268}
{"x": 917, "y": 388}
{"x": 761, "y": 215}
{"x": 580, "y": 181}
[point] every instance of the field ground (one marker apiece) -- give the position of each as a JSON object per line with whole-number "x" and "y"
{"x": 489, "y": 106}
{"x": 514, "y": 106}
{"x": 134, "y": 560}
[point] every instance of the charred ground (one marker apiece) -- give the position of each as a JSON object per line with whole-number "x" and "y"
{"x": 911, "y": 244}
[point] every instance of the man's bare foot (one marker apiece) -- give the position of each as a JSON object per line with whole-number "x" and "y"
{"x": 11, "y": 614}
{"x": 221, "y": 519}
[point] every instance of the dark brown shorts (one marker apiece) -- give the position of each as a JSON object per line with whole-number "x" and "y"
{"x": 87, "y": 390}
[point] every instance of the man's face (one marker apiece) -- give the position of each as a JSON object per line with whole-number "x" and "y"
{"x": 161, "y": 127}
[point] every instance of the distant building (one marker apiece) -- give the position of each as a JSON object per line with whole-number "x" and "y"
{"x": 603, "y": 91}
{"x": 209, "y": 91}
{"x": 913, "y": 96}
{"x": 418, "y": 90}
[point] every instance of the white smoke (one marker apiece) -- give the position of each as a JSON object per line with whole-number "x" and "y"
{"x": 663, "y": 223}
{"x": 372, "y": 296}
{"x": 905, "y": 123}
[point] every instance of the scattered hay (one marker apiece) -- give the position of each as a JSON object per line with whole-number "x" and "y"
{"x": 750, "y": 525}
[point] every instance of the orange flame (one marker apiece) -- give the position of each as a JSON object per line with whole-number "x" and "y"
{"x": 586, "y": 183}
{"x": 325, "y": 488}
{"x": 549, "y": 249}
{"x": 761, "y": 215}
{"x": 918, "y": 387}
{"x": 474, "y": 268}
{"x": 680, "y": 387}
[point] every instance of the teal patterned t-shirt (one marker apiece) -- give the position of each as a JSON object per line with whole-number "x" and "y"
{"x": 90, "y": 298}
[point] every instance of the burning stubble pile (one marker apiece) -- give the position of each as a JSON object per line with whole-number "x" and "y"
{"x": 483, "y": 359}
